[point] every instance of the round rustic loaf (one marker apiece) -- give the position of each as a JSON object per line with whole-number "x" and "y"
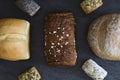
{"x": 104, "y": 37}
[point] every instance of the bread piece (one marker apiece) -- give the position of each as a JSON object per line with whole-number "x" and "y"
{"x": 31, "y": 74}
{"x": 28, "y": 6}
{"x": 14, "y": 39}
{"x": 91, "y": 5}
{"x": 104, "y": 37}
{"x": 60, "y": 39}
{"x": 93, "y": 70}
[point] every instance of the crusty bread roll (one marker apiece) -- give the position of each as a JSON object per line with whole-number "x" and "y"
{"x": 31, "y": 74}
{"x": 28, "y": 6}
{"x": 91, "y": 5}
{"x": 14, "y": 39}
{"x": 93, "y": 70}
{"x": 104, "y": 37}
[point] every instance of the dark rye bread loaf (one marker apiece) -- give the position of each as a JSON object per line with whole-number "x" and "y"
{"x": 60, "y": 39}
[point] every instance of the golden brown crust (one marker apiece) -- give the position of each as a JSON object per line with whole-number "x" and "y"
{"x": 14, "y": 39}
{"x": 60, "y": 39}
{"x": 104, "y": 37}
{"x": 91, "y": 5}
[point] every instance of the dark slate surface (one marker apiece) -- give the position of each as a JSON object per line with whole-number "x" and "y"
{"x": 11, "y": 70}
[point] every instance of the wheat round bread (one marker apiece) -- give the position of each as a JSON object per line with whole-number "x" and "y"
{"x": 104, "y": 37}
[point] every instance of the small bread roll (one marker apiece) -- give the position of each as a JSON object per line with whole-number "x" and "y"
{"x": 93, "y": 70}
{"x": 28, "y": 6}
{"x": 91, "y": 5}
{"x": 14, "y": 39}
{"x": 31, "y": 74}
{"x": 104, "y": 37}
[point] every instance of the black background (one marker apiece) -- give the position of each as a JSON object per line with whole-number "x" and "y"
{"x": 11, "y": 70}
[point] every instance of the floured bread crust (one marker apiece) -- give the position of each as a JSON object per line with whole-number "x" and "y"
{"x": 104, "y": 37}
{"x": 93, "y": 70}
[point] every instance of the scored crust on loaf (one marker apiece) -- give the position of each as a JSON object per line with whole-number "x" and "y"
{"x": 90, "y": 5}
{"x": 60, "y": 39}
{"x": 14, "y": 39}
{"x": 104, "y": 37}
